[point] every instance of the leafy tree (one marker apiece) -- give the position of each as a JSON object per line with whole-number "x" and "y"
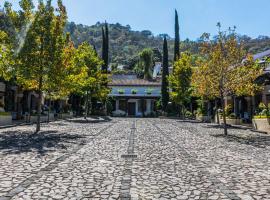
{"x": 177, "y": 38}
{"x": 38, "y": 55}
{"x": 146, "y": 57}
{"x": 222, "y": 72}
{"x": 165, "y": 75}
{"x": 6, "y": 58}
{"x": 90, "y": 81}
{"x": 180, "y": 81}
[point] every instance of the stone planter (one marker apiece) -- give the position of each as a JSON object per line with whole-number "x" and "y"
{"x": 5, "y": 120}
{"x": 261, "y": 124}
{"x": 231, "y": 121}
{"x": 203, "y": 118}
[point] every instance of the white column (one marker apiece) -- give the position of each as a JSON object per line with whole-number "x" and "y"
{"x": 148, "y": 105}
{"x": 137, "y": 107}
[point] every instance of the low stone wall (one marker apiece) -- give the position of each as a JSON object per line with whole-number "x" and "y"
{"x": 43, "y": 118}
{"x": 65, "y": 116}
{"x": 203, "y": 118}
{"x": 5, "y": 120}
{"x": 261, "y": 124}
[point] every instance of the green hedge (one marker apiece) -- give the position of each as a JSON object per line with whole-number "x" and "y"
{"x": 260, "y": 117}
{"x": 5, "y": 114}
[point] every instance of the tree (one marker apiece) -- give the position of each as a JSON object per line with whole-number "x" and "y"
{"x": 146, "y": 57}
{"x": 39, "y": 54}
{"x": 6, "y": 58}
{"x": 165, "y": 75}
{"x": 221, "y": 72}
{"x": 177, "y": 38}
{"x": 105, "y": 48}
{"x": 90, "y": 82}
{"x": 180, "y": 81}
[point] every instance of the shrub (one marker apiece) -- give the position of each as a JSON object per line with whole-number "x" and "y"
{"x": 5, "y": 113}
{"x": 228, "y": 110}
{"x": 188, "y": 114}
{"x": 232, "y": 116}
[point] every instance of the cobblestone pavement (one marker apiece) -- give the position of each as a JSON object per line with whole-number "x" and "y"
{"x": 133, "y": 159}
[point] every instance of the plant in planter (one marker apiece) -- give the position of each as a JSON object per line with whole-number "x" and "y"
{"x": 261, "y": 118}
{"x": 134, "y": 91}
{"x": 121, "y": 91}
{"x": 5, "y": 114}
{"x": 149, "y": 91}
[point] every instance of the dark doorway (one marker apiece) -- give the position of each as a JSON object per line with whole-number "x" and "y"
{"x": 131, "y": 108}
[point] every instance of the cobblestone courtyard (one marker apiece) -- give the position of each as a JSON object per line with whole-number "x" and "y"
{"x": 133, "y": 159}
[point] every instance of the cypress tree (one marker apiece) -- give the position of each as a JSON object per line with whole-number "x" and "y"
{"x": 165, "y": 74}
{"x": 104, "y": 51}
{"x": 105, "y": 48}
{"x": 107, "y": 45}
{"x": 177, "y": 38}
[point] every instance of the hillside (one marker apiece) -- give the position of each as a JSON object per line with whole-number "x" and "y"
{"x": 124, "y": 42}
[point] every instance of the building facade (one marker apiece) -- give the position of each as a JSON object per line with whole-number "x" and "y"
{"x": 134, "y": 97}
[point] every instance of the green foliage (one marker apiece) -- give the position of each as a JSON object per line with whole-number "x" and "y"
{"x": 228, "y": 110}
{"x": 177, "y": 38}
{"x": 5, "y": 114}
{"x": 165, "y": 74}
{"x": 105, "y": 48}
{"x": 146, "y": 57}
{"x": 134, "y": 91}
{"x": 6, "y": 58}
{"x": 149, "y": 91}
{"x": 180, "y": 80}
{"x": 121, "y": 91}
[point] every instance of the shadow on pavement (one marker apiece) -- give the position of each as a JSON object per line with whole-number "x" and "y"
{"x": 90, "y": 120}
{"x": 259, "y": 141}
{"x": 14, "y": 142}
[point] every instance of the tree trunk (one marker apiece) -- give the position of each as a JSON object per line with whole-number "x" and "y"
{"x": 49, "y": 109}
{"x": 86, "y": 106}
{"x": 216, "y": 111}
{"x": 224, "y": 115}
{"x": 39, "y": 111}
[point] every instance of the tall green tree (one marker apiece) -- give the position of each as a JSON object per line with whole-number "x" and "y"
{"x": 165, "y": 76}
{"x": 177, "y": 38}
{"x": 105, "y": 47}
{"x": 180, "y": 81}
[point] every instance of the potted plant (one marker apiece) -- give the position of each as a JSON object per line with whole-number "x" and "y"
{"x": 121, "y": 91}
{"x": 261, "y": 119}
{"x": 149, "y": 91}
{"x": 201, "y": 112}
{"x": 134, "y": 91}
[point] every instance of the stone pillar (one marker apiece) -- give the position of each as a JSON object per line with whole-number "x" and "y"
{"x": 148, "y": 105}
{"x": 117, "y": 104}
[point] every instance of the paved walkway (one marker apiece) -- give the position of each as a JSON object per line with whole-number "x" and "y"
{"x": 133, "y": 159}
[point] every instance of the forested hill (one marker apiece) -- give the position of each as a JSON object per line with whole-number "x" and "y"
{"x": 125, "y": 43}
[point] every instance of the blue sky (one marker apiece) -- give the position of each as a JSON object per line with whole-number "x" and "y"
{"x": 196, "y": 16}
